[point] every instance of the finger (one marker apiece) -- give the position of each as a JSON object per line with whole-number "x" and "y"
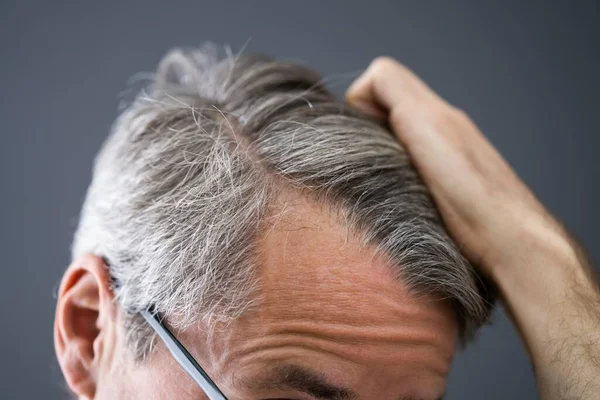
{"x": 387, "y": 84}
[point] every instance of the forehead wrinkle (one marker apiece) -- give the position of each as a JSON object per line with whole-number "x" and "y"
{"x": 308, "y": 352}
{"x": 373, "y": 348}
{"x": 343, "y": 318}
{"x": 325, "y": 296}
{"x": 410, "y": 337}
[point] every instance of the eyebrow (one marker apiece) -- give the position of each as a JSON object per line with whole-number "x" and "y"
{"x": 296, "y": 377}
{"x": 293, "y": 376}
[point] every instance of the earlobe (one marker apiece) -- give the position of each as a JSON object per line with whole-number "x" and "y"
{"x": 76, "y": 371}
{"x": 78, "y": 325}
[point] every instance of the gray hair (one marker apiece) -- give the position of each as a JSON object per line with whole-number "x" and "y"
{"x": 186, "y": 182}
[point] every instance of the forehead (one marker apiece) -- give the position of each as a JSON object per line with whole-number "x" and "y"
{"x": 313, "y": 269}
{"x": 330, "y": 303}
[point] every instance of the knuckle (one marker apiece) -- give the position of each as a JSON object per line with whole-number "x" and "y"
{"x": 383, "y": 64}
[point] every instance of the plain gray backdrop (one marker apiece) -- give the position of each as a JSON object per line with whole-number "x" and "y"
{"x": 527, "y": 73}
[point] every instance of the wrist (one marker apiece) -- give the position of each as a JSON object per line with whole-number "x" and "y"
{"x": 538, "y": 269}
{"x": 544, "y": 280}
{"x": 528, "y": 246}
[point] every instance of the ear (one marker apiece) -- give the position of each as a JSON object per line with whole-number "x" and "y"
{"x": 84, "y": 322}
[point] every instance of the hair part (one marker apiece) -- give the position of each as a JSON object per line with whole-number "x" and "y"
{"x": 186, "y": 182}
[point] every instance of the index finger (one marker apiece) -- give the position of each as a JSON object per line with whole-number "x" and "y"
{"x": 387, "y": 85}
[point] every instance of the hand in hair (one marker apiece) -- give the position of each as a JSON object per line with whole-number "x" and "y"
{"x": 545, "y": 279}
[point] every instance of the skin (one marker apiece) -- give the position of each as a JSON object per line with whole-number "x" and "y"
{"x": 327, "y": 303}
{"x": 362, "y": 330}
{"x": 546, "y": 281}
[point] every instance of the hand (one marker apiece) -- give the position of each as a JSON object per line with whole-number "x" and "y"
{"x": 486, "y": 207}
{"x": 545, "y": 281}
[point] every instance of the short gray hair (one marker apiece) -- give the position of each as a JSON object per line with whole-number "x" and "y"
{"x": 185, "y": 183}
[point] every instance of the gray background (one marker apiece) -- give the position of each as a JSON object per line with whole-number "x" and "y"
{"x": 527, "y": 73}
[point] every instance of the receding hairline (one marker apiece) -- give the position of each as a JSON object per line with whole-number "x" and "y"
{"x": 167, "y": 175}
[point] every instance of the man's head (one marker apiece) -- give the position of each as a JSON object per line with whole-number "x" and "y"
{"x": 283, "y": 236}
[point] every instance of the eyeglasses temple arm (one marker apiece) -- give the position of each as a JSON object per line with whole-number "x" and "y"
{"x": 183, "y": 357}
